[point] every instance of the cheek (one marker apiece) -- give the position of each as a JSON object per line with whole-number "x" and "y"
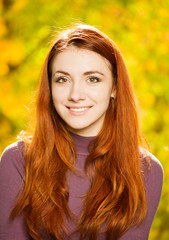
{"x": 57, "y": 95}
{"x": 102, "y": 95}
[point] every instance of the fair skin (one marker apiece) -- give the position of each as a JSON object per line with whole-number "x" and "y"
{"x": 82, "y": 86}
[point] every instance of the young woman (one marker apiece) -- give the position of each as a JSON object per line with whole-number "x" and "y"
{"x": 82, "y": 174}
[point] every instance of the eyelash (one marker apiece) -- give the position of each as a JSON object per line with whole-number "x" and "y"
{"x": 95, "y": 78}
{"x": 63, "y": 80}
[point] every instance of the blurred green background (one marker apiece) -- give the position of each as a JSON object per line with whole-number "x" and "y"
{"x": 140, "y": 28}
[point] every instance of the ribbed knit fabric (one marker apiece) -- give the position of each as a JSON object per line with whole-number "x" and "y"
{"x": 11, "y": 172}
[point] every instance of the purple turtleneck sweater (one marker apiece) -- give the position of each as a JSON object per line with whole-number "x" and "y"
{"x": 11, "y": 176}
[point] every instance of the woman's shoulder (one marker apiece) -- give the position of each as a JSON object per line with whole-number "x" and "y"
{"x": 14, "y": 149}
{"x": 150, "y": 164}
{"x": 13, "y": 155}
{"x": 152, "y": 171}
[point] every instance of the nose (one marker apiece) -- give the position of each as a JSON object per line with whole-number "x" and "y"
{"x": 77, "y": 92}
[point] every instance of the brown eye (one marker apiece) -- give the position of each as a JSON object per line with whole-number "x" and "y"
{"x": 93, "y": 80}
{"x": 61, "y": 80}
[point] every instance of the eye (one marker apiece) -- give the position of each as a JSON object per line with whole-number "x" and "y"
{"x": 61, "y": 80}
{"x": 93, "y": 80}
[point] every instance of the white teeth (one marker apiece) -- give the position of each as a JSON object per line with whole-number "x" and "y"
{"x": 79, "y": 109}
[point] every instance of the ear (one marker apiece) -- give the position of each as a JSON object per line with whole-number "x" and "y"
{"x": 113, "y": 93}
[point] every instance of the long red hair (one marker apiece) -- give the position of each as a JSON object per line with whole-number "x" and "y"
{"x": 117, "y": 198}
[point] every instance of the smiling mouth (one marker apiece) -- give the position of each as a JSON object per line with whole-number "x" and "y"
{"x": 78, "y": 109}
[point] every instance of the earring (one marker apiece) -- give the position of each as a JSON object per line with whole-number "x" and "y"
{"x": 112, "y": 100}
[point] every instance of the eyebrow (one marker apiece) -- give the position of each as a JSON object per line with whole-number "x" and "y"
{"x": 85, "y": 73}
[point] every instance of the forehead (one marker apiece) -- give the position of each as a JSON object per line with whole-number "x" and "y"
{"x": 80, "y": 58}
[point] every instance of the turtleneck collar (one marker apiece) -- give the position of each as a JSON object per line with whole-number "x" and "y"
{"x": 81, "y": 143}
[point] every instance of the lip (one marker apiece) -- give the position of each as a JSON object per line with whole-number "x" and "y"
{"x": 78, "y": 111}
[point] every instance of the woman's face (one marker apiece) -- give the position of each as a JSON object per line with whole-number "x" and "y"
{"x": 82, "y": 85}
